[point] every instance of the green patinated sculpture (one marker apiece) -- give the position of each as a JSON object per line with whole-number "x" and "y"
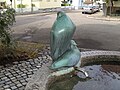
{"x": 64, "y": 51}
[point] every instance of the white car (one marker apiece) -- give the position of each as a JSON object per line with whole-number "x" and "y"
{"x": 90, "y": 9}
{"x": 96, "y": 8}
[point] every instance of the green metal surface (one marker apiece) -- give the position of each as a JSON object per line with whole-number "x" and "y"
{"x": 64, "y": 51}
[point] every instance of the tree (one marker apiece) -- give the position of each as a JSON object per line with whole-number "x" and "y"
{"x": 7, "y": 18}
{"x": 109, "y": 4}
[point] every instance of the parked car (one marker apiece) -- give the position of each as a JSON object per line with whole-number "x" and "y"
{"x": 96, "y": 8}
{"x": 90, "y": 9}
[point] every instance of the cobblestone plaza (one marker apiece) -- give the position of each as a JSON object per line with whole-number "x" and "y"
{"x": 16, "y": 76}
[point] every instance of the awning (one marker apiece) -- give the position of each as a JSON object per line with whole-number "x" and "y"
{"x": 2, "y": 0}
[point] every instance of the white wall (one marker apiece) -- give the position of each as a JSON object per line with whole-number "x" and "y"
{"x": 76, "y": 3}
{"x": 8, "y": 2}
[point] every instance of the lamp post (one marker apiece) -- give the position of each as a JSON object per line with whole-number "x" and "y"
{"x": 31, "y": 6}
{"x": 21, "y": 6}
{"x": 82, "y": 3}
{"x": 14, "y": 4}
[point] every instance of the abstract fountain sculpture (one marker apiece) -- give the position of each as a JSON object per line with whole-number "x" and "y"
{"x": 66, "y": 56}
{"x": 64, "y": 51}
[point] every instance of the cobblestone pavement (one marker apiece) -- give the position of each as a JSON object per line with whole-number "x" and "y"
{"x": 16, "y": 76}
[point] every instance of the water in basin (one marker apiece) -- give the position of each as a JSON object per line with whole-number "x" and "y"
{"x": 102, "y": 77}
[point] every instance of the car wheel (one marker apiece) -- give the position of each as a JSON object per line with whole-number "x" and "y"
{"x": 83, "y": 12}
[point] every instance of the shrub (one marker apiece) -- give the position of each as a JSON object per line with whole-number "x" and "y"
{"x": 7, "y": 18}
{"x": 33, "y": 5}
{"x": 21, "y": 6}
{"x": 11, "y": 51}
{"x": 65, "y": 4}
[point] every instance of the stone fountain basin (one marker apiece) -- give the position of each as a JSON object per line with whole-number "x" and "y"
{"x": 42, "y": 81}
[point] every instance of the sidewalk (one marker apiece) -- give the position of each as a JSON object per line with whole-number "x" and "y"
{"x": 48, "y": 12}
{"x": 44, "y": 11}
{"x": 99, "y": 16}
{"x": 35, "y": 12}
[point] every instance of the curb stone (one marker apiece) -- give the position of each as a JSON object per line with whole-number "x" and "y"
{"x": 103, "y": 18}
{"x": 41, "y": 79}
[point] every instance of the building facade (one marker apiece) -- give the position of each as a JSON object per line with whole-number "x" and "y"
{"x": 47, "y": 3}
{"x": 77, "y": 3}
{"x": 81, "y": 3}
{"x": 115, "y": 8}
{"x": 27, "y": 5}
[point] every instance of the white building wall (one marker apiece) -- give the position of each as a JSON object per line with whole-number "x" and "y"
{"x": 76, "y": 3}
{"x": 38, "y": 4}
{"x": 8, "y": 2}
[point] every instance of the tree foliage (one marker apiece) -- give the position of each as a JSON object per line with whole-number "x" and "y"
{"x": 7, "y": 18}
{"x": 109, "y": 2}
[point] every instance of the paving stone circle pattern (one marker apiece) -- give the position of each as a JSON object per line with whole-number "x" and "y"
{"x": 16, "y": 76}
